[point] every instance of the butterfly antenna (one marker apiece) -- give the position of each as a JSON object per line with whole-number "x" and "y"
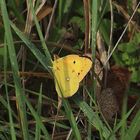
{"x": 56, "y": 116}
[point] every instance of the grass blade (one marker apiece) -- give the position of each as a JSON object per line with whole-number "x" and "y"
{"x": 12, "y": 130}
{"x": 71, "y": 119}
{"x": 45, "y": 61}
{"x": 134, "y": 128}
{"x": 14, "y": 65}
{"x": 47, "y": 54}
{"x": 38, "y": 119}
{"x": 94, "y": 118}
{"x": 37, "y": 132}
{"x": 94, "y": 26}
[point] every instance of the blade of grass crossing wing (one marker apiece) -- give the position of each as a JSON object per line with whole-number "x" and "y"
{"x": 41, "y": 35}
{"x": 14, "y": 65}
{"x": 70, "y": 115}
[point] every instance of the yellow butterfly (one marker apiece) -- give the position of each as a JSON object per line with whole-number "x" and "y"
{"x": 69, "y": 71}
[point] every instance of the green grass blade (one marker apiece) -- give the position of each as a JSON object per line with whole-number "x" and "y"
{"x": 37, "y": 131}
{"x": 14, "y": 65}
{"x": 94, "y": 17}
{"x": 60, "y": 7}
{"x": 12, "y": 130}
{"x": 5, "y": 104}
{"x": 124, "y": 109}
{"x": 41, "y": 35}
{"x": 37, "y": 53}
{"x": 93, "y": 118}
{"x": 38, "y": 119}
{"x": 124, "y": 119}
{"x": 71, "y": 119}
{"x": 134, "y": 128}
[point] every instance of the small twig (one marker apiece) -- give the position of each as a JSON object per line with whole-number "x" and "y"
{"x": 122, "y": 34}
{"x": 30, "y": 74}
{"x": 69, "y": 134}
{"x": 126, "y": 15}
{"x": 58, "y": 109}
{"x": 50, "y": 21}
{"x": 110, "y": 42}
{"x": 87, "y": 24}
{"x": 40, "y": 6}
{"x": 111, "y": 29}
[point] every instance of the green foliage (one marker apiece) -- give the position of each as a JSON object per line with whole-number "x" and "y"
{"x": 15, "y": 69}
{"x": 15, "y": 8}
{"x": 130, "y": 56}
{"x": 79, "y": 21}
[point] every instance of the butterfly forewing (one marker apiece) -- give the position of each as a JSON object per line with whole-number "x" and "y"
{"x": 80, "y": 65}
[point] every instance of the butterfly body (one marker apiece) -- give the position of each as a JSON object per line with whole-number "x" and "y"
{"x": 69, "y": 71}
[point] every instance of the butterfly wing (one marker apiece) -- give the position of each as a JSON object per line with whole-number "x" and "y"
{"x": 66, "y": 80}
{"x": 69, "y": 71}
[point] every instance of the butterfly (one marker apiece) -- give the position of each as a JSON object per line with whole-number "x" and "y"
{"x": 68, "y": 72}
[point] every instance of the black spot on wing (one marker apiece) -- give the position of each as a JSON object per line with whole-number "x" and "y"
{"x": 74, "y": 62}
